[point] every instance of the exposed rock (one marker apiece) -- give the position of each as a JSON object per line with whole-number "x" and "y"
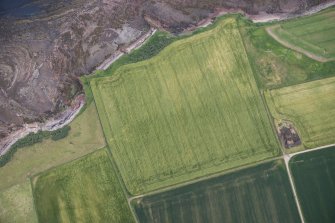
{"x": 42, "y": 55}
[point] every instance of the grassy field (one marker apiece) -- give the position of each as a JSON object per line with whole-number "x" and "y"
{"x": 85, "y": 190}
{"x": 174, "y": 118}
{"x": 314, "y": 177}
{"x": 310, "y": 107}
{"x": 257, "y": 194}
{"x": 85, "y": 136}
{"x": 314, "y": 34}
{"x": 275, "y": 65}
{"x": 16, "y": 204}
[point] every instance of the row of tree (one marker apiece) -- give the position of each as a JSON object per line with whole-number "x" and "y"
{"x": 32, "y": 139}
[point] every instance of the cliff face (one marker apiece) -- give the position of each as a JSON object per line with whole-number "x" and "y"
{"x": 41, "y": 55}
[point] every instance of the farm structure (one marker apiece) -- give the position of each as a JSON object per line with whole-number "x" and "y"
{"x": 310, "y": 107}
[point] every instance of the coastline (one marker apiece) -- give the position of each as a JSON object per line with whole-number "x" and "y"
{"x": 61, "y": 120}
{"x": 135, "y": 45}
{"x": 64, "y": 118}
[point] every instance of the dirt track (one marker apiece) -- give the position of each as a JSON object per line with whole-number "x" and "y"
{"x": 269, "y": 30}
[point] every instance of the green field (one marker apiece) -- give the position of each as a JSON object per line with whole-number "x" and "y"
{"x": 192, "y": 110}
{"x": 275, "y": 65}
{"x": 85, "y": 190}
{"x": 16, "y": 204}
{"x": 314, "y": 34}
{"x": 310, "y": 107}
{"x": 257, "y": 194}
{"x": 314, "y": 178}
{"x": 85, "y": 136}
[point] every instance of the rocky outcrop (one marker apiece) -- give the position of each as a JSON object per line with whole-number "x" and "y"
{"x": 42, "y": 55}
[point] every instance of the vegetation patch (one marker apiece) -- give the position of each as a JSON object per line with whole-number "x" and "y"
{"x": 31, "y": 139}
{"x": 16, "y": 204}
{"x": 310, "y": 107}
{"x": 314, "y": 179}
{"x": 60, "y": 133}
{"x": 192, "y": 110}
{"x": 85, "y": 190}
{"x": 257, "y": 194}
{"x": 149, "y": 49}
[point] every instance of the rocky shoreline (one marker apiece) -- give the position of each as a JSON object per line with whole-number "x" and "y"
{"x": 63, "y": 119}
{"x": 67, "y": 116}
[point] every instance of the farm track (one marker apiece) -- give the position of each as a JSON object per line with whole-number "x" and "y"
{"x": 296, "y": 48}
{"x": 285, "y": 157}
{"x": 256, "y": 194}
{"x": 310, "y": 150}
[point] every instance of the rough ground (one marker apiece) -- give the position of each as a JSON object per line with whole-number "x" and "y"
{"x": 41, "y": 56}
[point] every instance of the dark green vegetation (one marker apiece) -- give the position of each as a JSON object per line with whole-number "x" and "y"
{"x": 151, "y": 48}
{"x": 60, "y": 133}
{"x": 85, "y": 190}
{"x": 192, "y": 110}
{"x": 32, "y": 139}
{"x": 314, "y": 178}
{"x": 275, "y": 65}
{"x": 257, "y": 194}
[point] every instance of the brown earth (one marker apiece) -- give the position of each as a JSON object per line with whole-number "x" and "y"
{"x": 42, "y": 56}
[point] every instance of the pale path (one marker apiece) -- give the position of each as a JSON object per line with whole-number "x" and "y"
{"x": 313, "y": 56}
{"x": 311, "y": 150}
{"x": 287, "y": 160}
